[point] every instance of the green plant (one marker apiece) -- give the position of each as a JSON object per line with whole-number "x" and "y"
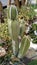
{"x": 5, "y": 60}
{"x": 14, "y": 30}
{"x": 35, "y": 40}
{"x": 27, "y": 13}
{"x": 34, "y": 6}
{"x": 7, "y": 45}
{"x": 25, "y": 42}
{"x": 34, "y": 26}
{"x": 4, "y": 30}
{"x": 14, "y": 33}
{"x": 32, "y": 34}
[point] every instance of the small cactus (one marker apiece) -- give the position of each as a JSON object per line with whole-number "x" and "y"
{"x": 25, "y": 43}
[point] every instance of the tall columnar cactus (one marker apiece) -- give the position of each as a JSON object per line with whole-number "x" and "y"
{"x": 13, "y": 26}
{"x": 15, "y": 34}
{"x": 15, "y": 31}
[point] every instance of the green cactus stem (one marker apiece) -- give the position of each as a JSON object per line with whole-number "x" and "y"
{"x": 25, "y": 43}
{"x": 12, "y": 12}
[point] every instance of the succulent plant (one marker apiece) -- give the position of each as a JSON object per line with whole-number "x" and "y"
{"x": 15, "y": 34}
{"x": 15, "y": 31}
{"x": 25, "y": 43}
{"x": 15, "y": 39}
{"x": 23, "y": 27}
{"x": 14, "y": 28}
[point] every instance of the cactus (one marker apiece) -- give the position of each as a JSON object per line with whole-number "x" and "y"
{"x": 13, "y": 27}
{"x": 25, "y": 43}
{"x": 12, "y": 12}
{"x": 15, "y": 31}
{"x": 15, "y": 34}
{"x": 22, "y": 28}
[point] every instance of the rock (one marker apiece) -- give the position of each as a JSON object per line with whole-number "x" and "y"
{"x": 2, "y": 41}
{"x": 31, "y": 54}
{"x": 2, "y": 51}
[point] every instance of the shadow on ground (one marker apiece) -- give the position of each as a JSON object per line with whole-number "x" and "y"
{"x": 26, "y": 60}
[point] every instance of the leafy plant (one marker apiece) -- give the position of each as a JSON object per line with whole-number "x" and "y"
{"x": 34, "y": 6}
{"x": 27, "y": 13}
{"x": 34, "y": 26}
{"x": 32, "y": 34}
{"x": 35, "y": 40}
{"x": 4, "y": 33}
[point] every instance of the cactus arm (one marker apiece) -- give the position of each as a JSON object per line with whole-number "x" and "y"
{"x": 24, "y": 47}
